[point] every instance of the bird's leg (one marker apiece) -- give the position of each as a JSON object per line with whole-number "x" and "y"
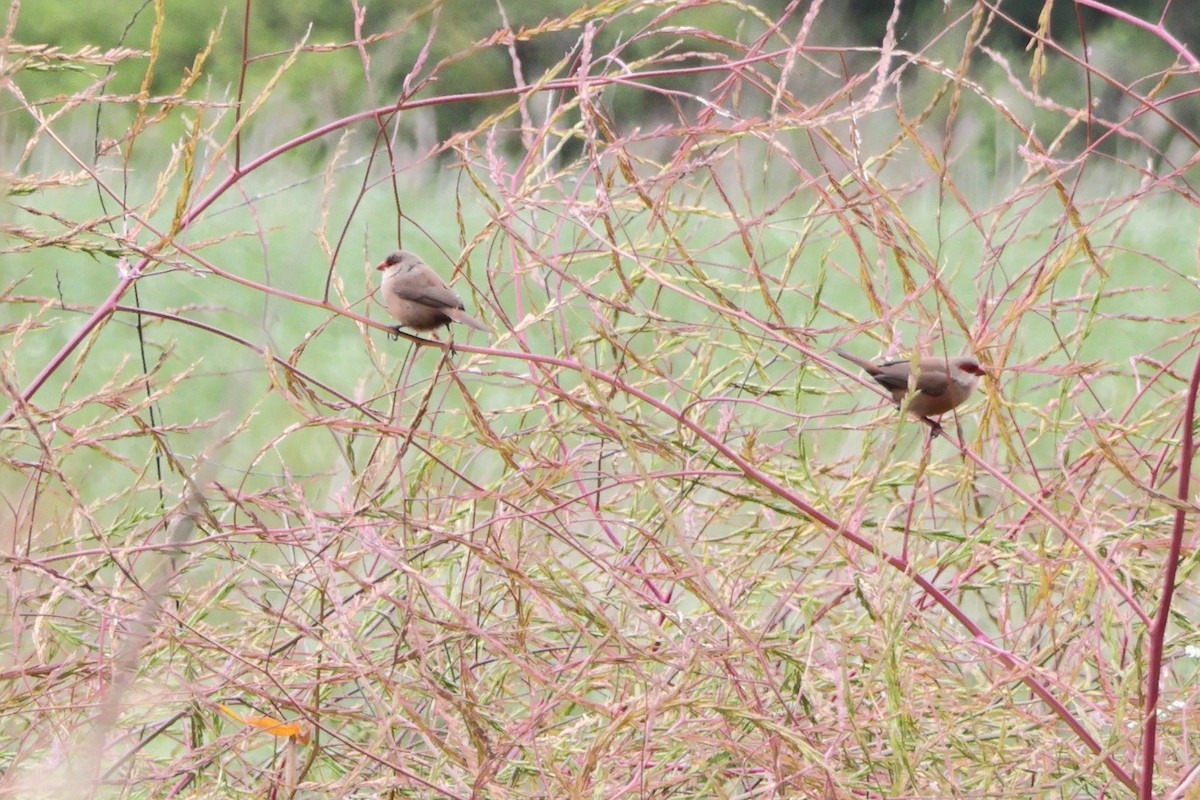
{"x": 397, "y": 331}
{"x": 935, "y": 428}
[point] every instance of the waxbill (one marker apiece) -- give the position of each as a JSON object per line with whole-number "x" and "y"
{"x": 941, "y": 384}
{"x": 418, "y": 297}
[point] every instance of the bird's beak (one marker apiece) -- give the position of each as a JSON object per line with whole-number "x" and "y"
{"x": 382, "y": 265}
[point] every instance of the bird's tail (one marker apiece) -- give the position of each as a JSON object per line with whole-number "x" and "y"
{"x": 862, "y": 362}
{"x": 466, "y": 319}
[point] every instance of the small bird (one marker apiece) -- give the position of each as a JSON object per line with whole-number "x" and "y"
{"x": 940, "y": 384}
{"x": 418, "y": 297}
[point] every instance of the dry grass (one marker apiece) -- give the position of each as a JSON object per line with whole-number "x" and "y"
{"x": 650, "y": 539}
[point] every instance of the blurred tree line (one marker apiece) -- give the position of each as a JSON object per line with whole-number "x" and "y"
{"x": 319, "y": 88}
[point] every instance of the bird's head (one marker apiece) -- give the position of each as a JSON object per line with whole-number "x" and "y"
{"x": 398, "y": 262}
{"x": 966, "y": 371}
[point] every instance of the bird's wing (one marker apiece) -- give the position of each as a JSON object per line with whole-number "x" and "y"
{"x": 432, "y": 296}
{"x": 933, "y": 382}
{"x": 892, "y": 375}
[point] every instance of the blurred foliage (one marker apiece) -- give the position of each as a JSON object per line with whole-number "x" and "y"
{"x": 331, "y": 84}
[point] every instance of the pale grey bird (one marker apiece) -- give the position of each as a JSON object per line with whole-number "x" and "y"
{"x": 418, "y": 297}
{"x": 941, "y": 384}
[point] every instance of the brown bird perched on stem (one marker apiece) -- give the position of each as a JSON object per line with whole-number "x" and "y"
{"x": 941, "y": 384}
{"x": 418, "y": 297}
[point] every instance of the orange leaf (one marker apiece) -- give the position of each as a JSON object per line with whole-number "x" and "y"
{"x": 294, "y": 730}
